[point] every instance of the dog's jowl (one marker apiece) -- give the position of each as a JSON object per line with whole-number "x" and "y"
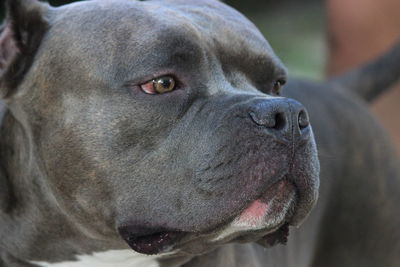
{"x": 156, "y": 133}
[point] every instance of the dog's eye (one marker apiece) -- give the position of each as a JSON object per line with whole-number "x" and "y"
{"x": 159, "y": 85}
{"x": 277, "y": 86}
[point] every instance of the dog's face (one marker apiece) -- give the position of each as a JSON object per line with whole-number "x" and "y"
{"x": 158, "y": 122}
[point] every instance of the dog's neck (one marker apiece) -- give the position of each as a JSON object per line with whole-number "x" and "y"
{"x": 32, "y": 226}
{"x": 22, "y": 210}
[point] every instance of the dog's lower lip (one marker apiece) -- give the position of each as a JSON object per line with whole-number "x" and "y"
{"x": 280, "y": 191}
{"x": 150, "y": 243}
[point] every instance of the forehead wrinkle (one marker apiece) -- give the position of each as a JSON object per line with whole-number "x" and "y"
{"x": 170, "y": 32}
{"x": 217, "y": 25}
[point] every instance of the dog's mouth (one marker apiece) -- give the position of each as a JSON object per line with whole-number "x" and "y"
{"x": 265, "y": 220}
{"x": 149, "y": 242}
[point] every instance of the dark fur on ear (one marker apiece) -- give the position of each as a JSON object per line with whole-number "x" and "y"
{"x": 20, "y": 37}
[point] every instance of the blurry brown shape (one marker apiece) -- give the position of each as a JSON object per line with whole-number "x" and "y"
{"x": 360, "y": 30}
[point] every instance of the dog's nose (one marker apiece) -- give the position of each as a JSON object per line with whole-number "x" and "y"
{"x": 281, "y": 117}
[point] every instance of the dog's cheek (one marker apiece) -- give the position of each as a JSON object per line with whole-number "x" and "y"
{"x": 79, "y": 184}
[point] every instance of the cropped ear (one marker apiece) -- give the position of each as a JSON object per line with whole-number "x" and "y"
{"x": 20, "y": 38}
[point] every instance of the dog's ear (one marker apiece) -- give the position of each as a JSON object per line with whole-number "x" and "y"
{"x": 20, "y": 37}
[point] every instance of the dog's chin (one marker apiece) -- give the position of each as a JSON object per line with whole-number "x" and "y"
{"x": 264, "y": 220}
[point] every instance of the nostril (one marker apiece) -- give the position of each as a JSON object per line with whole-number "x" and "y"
{"x": 303, "y": 119}
{"x": 280, "y": 121}
{"x": 272, "y": 120}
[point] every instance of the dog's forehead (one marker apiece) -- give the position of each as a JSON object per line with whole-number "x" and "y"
{"x": 209, "y": 23}
{"x": 205, "y": 15}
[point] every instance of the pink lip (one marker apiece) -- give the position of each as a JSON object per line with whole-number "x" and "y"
{"x": 271, "y": 203}
{"x": 254, "y": 213}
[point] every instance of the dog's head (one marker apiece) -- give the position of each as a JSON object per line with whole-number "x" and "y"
{"x": 159, "y": 122}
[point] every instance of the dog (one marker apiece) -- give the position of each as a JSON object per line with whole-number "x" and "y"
{"x": 160, "y": 133}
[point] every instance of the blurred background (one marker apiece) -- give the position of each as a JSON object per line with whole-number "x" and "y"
{"x": 321, "y": 38}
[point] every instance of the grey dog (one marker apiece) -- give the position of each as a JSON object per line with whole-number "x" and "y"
{"x": 156, "y": 133}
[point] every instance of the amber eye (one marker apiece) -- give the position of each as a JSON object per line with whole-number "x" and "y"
{"x": 277, "y": 87}
{"x": 159, "y": 85}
